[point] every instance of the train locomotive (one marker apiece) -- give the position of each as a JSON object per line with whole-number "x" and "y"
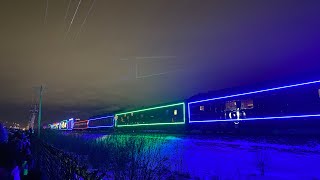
{"x": 282, "y": 108}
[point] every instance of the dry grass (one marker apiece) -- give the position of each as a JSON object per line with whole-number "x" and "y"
{"x": 119, "y": 156}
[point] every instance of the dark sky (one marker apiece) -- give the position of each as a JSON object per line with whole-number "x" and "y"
{"x": 129, "y": 54}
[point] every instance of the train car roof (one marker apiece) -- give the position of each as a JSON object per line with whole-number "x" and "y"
{"x": 256, "y": 86}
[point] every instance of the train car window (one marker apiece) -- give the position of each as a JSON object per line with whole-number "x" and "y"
{"x": 175, "y": 112}
{"x": 230, "y": 105}
{"x": 247, "y": 104}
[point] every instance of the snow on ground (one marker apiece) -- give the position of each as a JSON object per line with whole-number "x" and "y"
{"x": 241, "y": 158}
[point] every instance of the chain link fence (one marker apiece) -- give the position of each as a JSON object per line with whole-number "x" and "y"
{"x": 56, "y": 164}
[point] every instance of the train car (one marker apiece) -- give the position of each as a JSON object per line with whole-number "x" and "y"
{"x": 290, "y": 108}
{"x": 63, "y": 125}
{"x": 70, "y": 124}
{"x": 80, "y": 124}
{"x": 55, "y": 126}
{"x": 101, "y": 122}
{"x": 167, "y": 117}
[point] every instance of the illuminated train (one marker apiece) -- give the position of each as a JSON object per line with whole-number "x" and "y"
{"x": 281, "y": 108}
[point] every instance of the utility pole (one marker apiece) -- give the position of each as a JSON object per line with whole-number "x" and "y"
{"x": 33, "y": 117}
{"x": 40, "y": 108}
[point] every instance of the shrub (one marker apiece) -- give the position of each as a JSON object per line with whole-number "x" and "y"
{"x": 119, "y": 156}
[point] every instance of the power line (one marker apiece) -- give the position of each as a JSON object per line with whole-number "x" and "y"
{"x": 40, "y": 90}
{"x": 40, "y": 110}
{"x": 156, "y": 74}
{"x": 155, "y": 57}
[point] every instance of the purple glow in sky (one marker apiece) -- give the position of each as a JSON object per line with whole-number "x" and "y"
{"x": 130, "y": 54}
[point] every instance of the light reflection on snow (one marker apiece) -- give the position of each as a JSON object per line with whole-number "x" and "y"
{"x": 234, "y": 158}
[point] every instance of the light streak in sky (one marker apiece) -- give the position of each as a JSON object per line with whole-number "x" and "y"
{"x": 74, "y": 15}
{"x": 46, "y": 13}
{"x": 150, "y": 58}
{"x": 65, "y": 17}
{"x": 85, "y": 19}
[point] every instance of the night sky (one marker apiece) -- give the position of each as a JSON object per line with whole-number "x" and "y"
{"x": 127, "y": 54}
